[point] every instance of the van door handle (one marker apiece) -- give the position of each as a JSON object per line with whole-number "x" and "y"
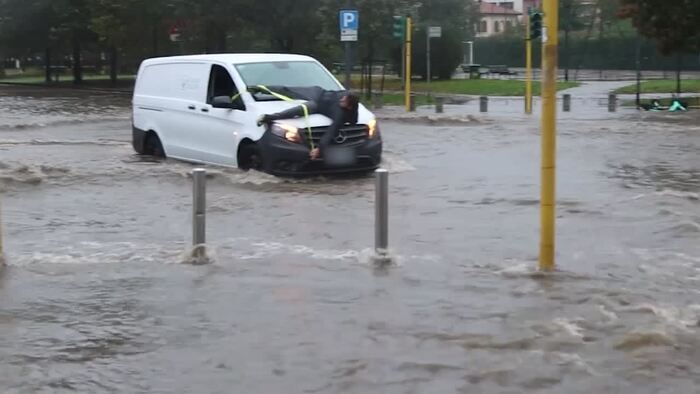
{"x": 205, "y": 109}
{"x": 192, "y": 107}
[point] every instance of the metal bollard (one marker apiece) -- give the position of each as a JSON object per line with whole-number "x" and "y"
{"x": 612, "y": 102}
{"x": 381, "y": 213}
{"x": 439, "y": 102}
{"x": 567, "y": 103}
{"x": 483, "y": 104}
{"x": 199, "y": 215}
{"x": 378, "y": 101}
{"x": 412, "y": 100}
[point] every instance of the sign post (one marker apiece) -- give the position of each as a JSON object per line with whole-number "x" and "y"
{"x": 433, "y": 32}
{"x": 409, "y": 54}
{"x": 349, "y": 25}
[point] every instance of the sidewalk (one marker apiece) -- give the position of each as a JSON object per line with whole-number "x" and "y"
{"x": 588, "y": 101}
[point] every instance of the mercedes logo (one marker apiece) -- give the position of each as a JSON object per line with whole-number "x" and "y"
{"x": 340, "y": 138}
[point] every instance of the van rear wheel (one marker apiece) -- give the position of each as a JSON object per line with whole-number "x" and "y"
{"x": 154, "y": 147}
{"x": 249, "y": 157}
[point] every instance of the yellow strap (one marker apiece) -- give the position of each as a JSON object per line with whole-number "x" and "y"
{"x": 235, "y": 97}
{"x": 303, "y": 106}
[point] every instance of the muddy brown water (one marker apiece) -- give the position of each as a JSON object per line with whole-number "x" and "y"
{"x": 95, "y": 298}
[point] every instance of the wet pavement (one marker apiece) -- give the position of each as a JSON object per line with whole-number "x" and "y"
{"x": 95, "y": 297}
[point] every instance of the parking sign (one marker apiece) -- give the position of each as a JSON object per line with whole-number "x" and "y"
{"x": 349, "y": 24}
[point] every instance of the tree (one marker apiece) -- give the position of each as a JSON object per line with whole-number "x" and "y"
{"x": 287, "y": 26}
{"x": 121, "y": 26}
{"x": 569, "y": 15}
{"x": 457, "y": 19}
{"x": 673, "y": 25}
{"x": 25, "y": 28}
{"x": 72, "y": 21}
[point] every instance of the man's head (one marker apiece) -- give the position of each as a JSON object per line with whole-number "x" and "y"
{"x": 349, "y": 102}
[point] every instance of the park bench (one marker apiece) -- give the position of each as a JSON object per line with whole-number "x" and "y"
{"x": 57, "y": 71}
{"x": 499, "y": 70}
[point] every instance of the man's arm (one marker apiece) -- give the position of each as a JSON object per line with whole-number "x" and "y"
{"x": 337, "y": 118}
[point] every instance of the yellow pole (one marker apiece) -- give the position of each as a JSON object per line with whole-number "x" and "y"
{"x": 409, "y": 38}
{"x": 528, "y": 68}
{"x": 550, "y": 41}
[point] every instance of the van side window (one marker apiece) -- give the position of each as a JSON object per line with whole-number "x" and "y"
{"x": 221, "y": 84}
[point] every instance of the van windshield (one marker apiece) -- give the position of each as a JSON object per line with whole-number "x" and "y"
{"x": 299, "y": 73}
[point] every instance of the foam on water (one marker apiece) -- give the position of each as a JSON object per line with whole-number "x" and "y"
{"x": 269, "y": 249}
{"x": 610, "y": 316}
{"x": 97, "y": 253}
{"x": 679, "y": 193}
{"x": 395, "y": 164}
{"x": 569, "y": 326}
{"x": 670, "y": 316}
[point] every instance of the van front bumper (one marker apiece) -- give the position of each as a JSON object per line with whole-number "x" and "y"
{"x": 281, "y": 157}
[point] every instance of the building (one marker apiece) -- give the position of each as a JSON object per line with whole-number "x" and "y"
{"x": 515, "y": 5}
{"x": 527, "y": 4}
{"x": 496, "y": 18}
{"x": 520, "y": 6}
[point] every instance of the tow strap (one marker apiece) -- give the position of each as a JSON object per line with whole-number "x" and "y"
{"x": 289, "y": 100}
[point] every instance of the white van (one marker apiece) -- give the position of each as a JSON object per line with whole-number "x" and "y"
{"x": 199, "y": 109}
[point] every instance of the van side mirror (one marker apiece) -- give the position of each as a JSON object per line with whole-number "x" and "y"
{"x": 222, "y": 102}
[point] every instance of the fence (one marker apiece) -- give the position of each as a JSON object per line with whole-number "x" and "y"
{"x": 609, "y": 53}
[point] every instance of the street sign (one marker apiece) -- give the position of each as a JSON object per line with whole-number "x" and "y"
{"x": 349, "y": 24}
{"x": 175, "y": 32}
{"x": 434, "y": 32}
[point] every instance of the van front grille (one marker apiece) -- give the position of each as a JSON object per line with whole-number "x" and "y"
{"x": 348, "y": 135}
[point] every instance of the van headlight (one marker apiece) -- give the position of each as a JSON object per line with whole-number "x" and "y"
{"x": 372, "y": 128}
{"x": 288, "y": 132}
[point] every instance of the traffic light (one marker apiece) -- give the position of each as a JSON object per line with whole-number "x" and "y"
{"x": 535, "y": 24}
{"x": 399, "y": 27}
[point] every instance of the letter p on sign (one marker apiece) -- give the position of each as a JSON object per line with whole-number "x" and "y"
{"x": 349, "y": 24}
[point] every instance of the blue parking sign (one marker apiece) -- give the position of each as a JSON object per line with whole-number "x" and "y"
{"x": 349, "y": 24}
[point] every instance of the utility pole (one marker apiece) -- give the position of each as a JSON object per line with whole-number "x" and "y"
{"x": 550, "y": 40}
{"x": 528, "y": 69}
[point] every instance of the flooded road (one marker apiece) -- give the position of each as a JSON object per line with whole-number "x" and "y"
{"x": 95, "y": 297}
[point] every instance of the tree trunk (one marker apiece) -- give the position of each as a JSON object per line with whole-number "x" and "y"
{"x": 638, "y": 67}
{"x": 221, "y": 41}
{"x": 678, "y": 73}
{"x": 77, "y": 61}
{"x": 113, "y": 65}
{"x": 47, "y": 64}
{"x": 207, "y": 39}
{"x": 155, "y": 40}
{"x": 566, "y": 54}
{"x": 370, "y": 59}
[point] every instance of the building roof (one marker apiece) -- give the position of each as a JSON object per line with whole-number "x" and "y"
{"x": 495, "y": 9}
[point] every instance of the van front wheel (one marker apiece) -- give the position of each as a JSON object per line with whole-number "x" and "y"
{"x": 153, "y": 146}
{"x": 249, "y": 157}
